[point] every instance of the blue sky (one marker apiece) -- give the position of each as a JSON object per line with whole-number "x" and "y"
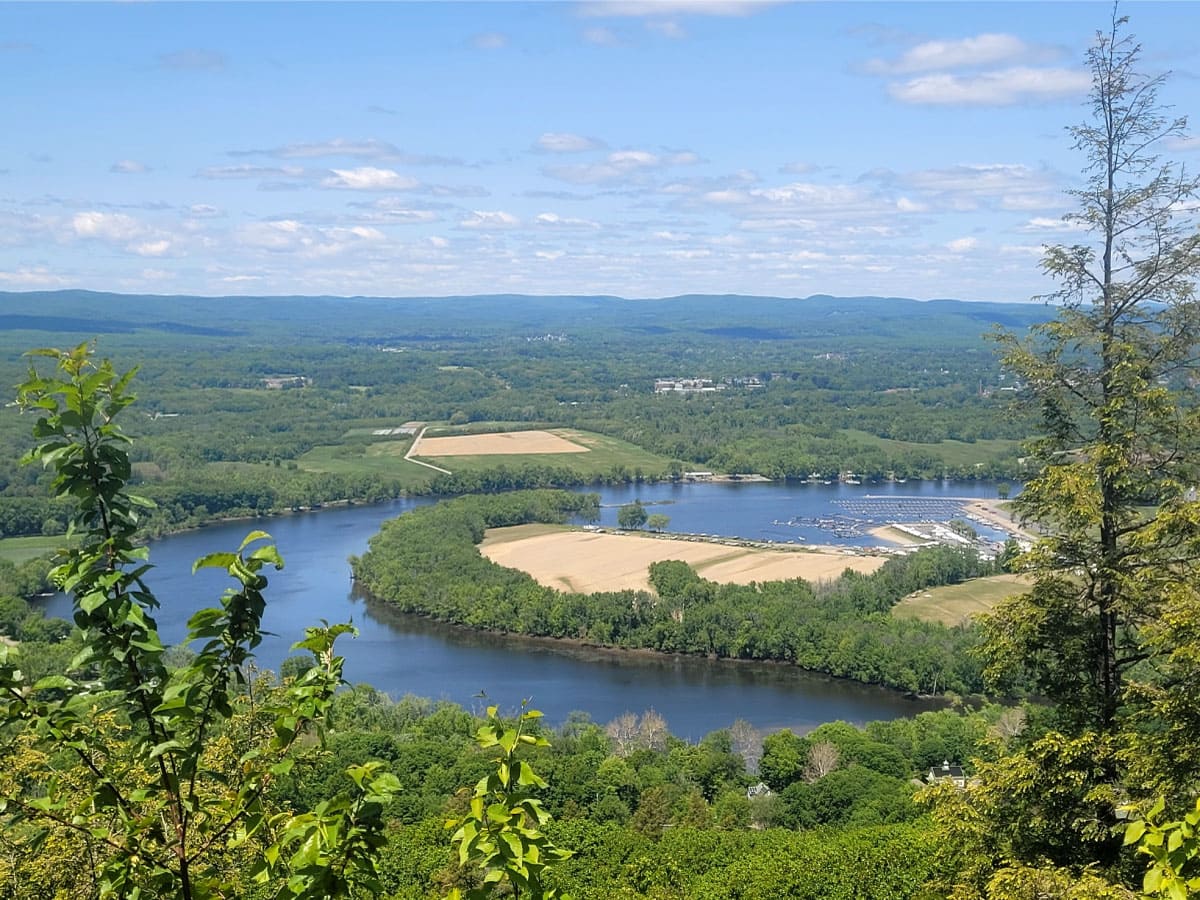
{"x": 633, "y": 148}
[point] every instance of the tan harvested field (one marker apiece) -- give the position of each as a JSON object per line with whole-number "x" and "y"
{"x": 588, "y": 562}
{"x": 509, "y": 443}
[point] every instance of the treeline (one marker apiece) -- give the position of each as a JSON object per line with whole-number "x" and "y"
{"x": 426, "y": 562}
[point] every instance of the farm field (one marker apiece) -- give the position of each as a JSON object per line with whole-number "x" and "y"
{"x": 954, "y": 604}
{"x": 580, "y": 451}
{"x": 19, "y": 549}
{"x": 589, "y": 562}
{"x": 502, "y": 443}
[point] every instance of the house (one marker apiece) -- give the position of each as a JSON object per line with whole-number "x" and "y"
{"x": 758, "y": 790}
{"x": 946, "y": 772}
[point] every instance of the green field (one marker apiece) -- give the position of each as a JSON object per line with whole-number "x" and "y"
{"x": 954, "y": 604}
{"x": 383, "y": 458}
{"x": 605, "y": 455}
{"x": 386, "y": 457}
{"x": 19, "y": 549}
{"x": 953, "y": 453}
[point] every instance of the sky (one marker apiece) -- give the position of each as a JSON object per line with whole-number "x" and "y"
{"x": 635, "y": 148}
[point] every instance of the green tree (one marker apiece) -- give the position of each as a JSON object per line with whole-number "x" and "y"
{"x": 658, "y": 521}
{"x": 1117, "y": 453}
{"x": 1115, "y": 570}
{"x": 632, "y": 515}
{"x": 502, "y": 830}
{"x": 174, "y": 802}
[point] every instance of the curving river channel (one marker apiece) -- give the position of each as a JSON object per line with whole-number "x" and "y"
{"x": 404, "y": 654}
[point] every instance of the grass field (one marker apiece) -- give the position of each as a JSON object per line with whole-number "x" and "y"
{"x": 597, "y": 455}
{"x": 954, "y": 604}
{"x": 19, "y": 549}
{"x": 954, "y": 453}
{"x": 586, "y": 561}
{"x": 604, "y": 455}
{"x": 383, "y": 458}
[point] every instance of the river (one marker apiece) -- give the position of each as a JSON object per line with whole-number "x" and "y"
{"x": 405, "y": 654}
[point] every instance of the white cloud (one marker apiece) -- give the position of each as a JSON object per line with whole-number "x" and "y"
{"x": 369, "y": 178}
{"x": 980, "y": 50}
{"x": 32, "y": 278}
{"x": 1004, "y": 87}
{"x": 640, "y": 8}
{"x": 1184, "y": 143}
{"x": 565, "y": 142}
{"x": 128, "y": 167}
{"x": 619, "y": 164}
{"x": 1047, "y": 224}
{"x": 152, "y": 248}
{"x": 440, "y": 242}
{"x": 105, "y": 226}
{"x": 962, "y": 244}
{"x": 910, "y": 206}
{"x": 550, "y": 255}
{"x": 490, "y": 40}
{"x": 307, "y": 241}
{"x": 484, "y": 219}
{"x": 554, "y": 220}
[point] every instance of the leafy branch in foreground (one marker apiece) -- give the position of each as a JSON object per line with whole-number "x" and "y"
{"x": 501, "y": 834}
{"x": 171, "y": 799}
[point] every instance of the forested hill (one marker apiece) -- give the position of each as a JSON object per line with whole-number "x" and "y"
{"x": 721, "y": 316}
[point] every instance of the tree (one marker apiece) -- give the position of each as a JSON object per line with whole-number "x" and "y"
{"x": 158, "y": 777}
{"x": 1118, "y": 451}
{"x": 1114, "y": 595}
{"x": 658, "y": 521}
{"x": 632, "y": 515}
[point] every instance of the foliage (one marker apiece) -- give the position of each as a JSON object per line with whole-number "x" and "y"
{"x": 1174, "y": 851}
{"x": 632, "y": 515}
{"x": 1108, "y": 632}
{"x": 165, "y": 806}
{"x": 502, "y": 833}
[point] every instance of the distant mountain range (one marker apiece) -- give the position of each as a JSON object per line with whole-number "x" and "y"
{"x": 378, "y": 318}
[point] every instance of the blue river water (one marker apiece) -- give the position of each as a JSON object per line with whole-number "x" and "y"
{"x": 405, "y": 654}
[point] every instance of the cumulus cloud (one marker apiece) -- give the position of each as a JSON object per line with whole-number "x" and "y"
{"x": 308, "y": 241}
{"x": 105, "y": 226}
{"x": 979, "y": 50}
{"x": 369, "y": 178}
{"x": 618, "y": 165}
{"x": 554, "y": 220}
{"x": 193, "y": 59}
{"x": 1004, "y": 87}
{"x": 966, "y": 187}
{"x": 152, "y": 248}
{"x": 36, "y": 277}
{"x": 565, "y": 142}
{"x": 128, "y": 167}
{"x": 1046, "y": 224}
{"x": 485, "y": 219}
{"x": 962, "y": 244}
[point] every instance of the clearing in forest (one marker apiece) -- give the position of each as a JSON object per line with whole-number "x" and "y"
{"x": 956, "y": 604}
{"x": 589, "y": 562}
{"x": 507, "y": 443}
